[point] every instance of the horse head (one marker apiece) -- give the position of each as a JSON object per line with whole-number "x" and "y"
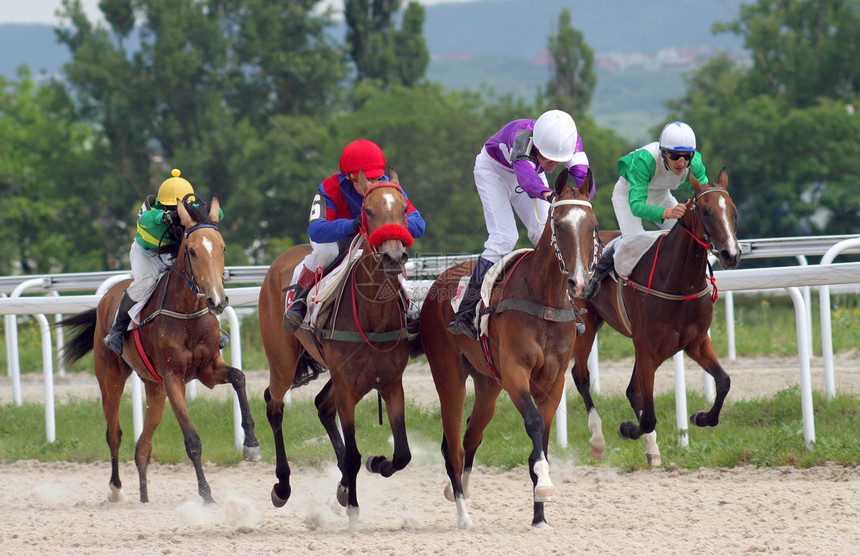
{"x": 715, "y": 219}
{"x": 201, "y": 255}
{"x": 383, "y": 215}
{"x": 574, "y": 233}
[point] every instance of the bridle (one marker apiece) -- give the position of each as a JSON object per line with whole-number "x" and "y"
{"x": 385, "y": 232}
{"x": 705, "y": 241}
{"x": 562, "y": 266}
{"x": 188, "y": 275}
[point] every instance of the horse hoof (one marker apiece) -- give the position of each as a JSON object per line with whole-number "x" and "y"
{"x": 115, "y": 494}
{"x": 700, "y": 419}
{"x": 543, "y": 525}
{"x": 449, "y": 492}
{"x": 352, "y": 513}
{"x": 342, "y": 495}
{"x": 628, "y": 430}
{"x": 545, "y": 493}
{"x": 277, "y": 500}
{"x": 654, "y": 460}
{"x": 251, "y": 453}
{"x": 597, "y": 452}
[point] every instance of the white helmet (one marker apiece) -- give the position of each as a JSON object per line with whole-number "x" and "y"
{"x": 555, "y": 135}
{"x": 679, "y": 137}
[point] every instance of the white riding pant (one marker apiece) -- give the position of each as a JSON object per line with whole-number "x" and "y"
{"x": 499, "y": 192}
{"x": 146, "y": 268}
{"x": 629, "y": 224}
{"x": 321, "y": 255}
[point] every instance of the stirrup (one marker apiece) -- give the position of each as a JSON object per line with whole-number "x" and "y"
{"x": 462, "y": 326}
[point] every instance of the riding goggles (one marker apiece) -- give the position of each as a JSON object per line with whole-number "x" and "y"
{"x": 675, "y": 155}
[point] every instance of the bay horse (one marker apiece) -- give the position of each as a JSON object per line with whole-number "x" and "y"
{"x": 361, "y": 338}
{"x": 531, "y": 331}
{"x": 667, "y": 307}
{"x": 179, "y": 335}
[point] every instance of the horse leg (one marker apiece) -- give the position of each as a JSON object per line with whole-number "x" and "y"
{"x": 547, "y": 404}
{"x": 582, "y": 380}
{"x": 451, "y": 387}
{"x": 347, "y": 494}
{"x": 395, "y": 406}
{"x": 275, "y": 414}
{"x": 544, "y": 490}
{"x": 112, "y": 375}
{"x": 155, "y": 397}
{"x": 176, "y": 394}
{"x": 250, "y": 446}
{"x": 703, "y": 353}
{"x": 486, "y": 393}
{"x": 327, "y": 413}
{"x": 640, "y": 393}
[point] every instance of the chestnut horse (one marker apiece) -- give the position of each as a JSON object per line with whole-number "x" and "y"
{"x": 179, "y": 335}
{"x": 669, "y": 307}
{"x": 531, "y": 331}
{"x": 361, "y": 337}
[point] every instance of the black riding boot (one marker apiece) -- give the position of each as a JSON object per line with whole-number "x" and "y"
{"x": 295, "y": 314}
{"x": 116, "y": 336}
{"x": 464, "y": 321}
{"x": 603, "y": 268}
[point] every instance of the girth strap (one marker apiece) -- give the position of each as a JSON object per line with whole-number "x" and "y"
{"x": 354, "y": 337}
{"x": 535, "y": 309}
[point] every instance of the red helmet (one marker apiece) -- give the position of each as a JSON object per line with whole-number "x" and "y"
{"x": 363, "y": 155}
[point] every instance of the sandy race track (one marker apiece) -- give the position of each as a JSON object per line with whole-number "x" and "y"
{"x": 51, "y": 508}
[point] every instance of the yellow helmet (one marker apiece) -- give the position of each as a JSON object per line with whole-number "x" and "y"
{"x": 173, "y": 188}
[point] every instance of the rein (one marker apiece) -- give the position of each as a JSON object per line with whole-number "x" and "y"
{"x": 553, "y": 239}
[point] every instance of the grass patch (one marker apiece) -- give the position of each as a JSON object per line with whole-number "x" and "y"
{"x": 761, "y": 432}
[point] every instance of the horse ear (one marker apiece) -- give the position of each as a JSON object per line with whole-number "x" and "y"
{"x": 697, "y": 187}
{"x": 723, "y": 179}
{"x": 392, "y": 174}
{"x": 561, "y": 181}
{"x": 184, "y": 217}
{"x": 587, "y": 184}
{"x": 362, "y": 181}
{"x": 214, "y": 209}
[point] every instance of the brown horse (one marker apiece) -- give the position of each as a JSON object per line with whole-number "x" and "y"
{"x": 668, "y": 307}
{"x": 531, "y": 331}
{"x": 179, "y": 335}
{"x": 361, "y": 337}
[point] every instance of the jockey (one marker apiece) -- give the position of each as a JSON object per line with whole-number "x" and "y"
{"x": 335, "y": 218}
{"x": 510, "y": 172}
{"x": 158, "y": 229}
{"x": 642, "y": 192}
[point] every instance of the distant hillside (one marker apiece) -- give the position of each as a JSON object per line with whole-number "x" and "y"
{"x": 642, "y": 49}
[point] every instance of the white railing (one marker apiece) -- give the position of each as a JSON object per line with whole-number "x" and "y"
{"x": 789, "y": 278}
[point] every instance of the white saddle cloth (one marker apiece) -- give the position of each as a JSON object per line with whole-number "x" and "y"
{"x": 629, "y": 250}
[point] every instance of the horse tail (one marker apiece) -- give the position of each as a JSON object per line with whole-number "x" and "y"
{"x": 83, "y": 327}
{"x": 307, "y": 369}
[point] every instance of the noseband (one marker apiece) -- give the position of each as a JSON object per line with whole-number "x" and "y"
{"x": 553, "y": 238}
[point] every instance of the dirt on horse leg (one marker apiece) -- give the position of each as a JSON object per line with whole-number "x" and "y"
{"x": 155, "y": 397}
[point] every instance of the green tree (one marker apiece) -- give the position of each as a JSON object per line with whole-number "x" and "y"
{"x": 572, "y": 62}
{"x": 801, "y": 49}
{"x": 379, "y": 52}
{"x": 50, "y": 171}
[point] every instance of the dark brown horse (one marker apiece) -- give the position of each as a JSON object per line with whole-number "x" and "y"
{"x": 668, "y": 307}
{"x": 179, "y": 334}
{"x": 531, "y": 330}
{"x": 360, "y": 336}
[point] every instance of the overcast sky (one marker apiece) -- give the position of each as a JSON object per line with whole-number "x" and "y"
{"x": 42, "y": 11}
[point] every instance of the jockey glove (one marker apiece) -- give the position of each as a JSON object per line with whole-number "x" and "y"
{"x": 356, "y": 224}
{"x": 171, "y": 217}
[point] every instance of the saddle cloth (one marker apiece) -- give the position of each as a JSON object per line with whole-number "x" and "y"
{"x": 486, "y": 288}
{"x": 629, "y": 250}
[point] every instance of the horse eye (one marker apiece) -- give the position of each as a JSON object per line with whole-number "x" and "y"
{"x": 706, "y": 212}
{"x": 192, "y": 252}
